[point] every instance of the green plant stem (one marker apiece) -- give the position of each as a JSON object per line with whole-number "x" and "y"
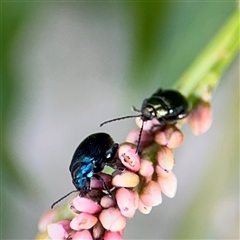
{"x": 204, "y": 74}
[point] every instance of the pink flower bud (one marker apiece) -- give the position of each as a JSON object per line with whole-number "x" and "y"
{"x": 168, "y": 185}
{"x": 200, "y": 119}
{"x": 148, "y": 125}
{"x": 146, "y": 138}
{"x": 112, "y": 219}
{"x": 47, "y": 218}
{"x": 83, "y": 221}
{"x": 107, "y": 202}
{"x": 121, "y": 232}
{"x": 124, "y": 147}
{"x": 84, "y": 235}
{"x": 171, "y": 137}
{"x": 65, "y": 224}
{"x": 95, "y": 183}
{"x": 162, "y": 172}
{"x": 165, "y": 158}
{"x": 127, "y": 202}
{"x": 129, "y": 157}
{"x": 151, "y": 194}
{"x": 146, "y": 168}
{"x": 126, "y": 179}
{"x": 58, "y": 230}
{"x": 112, "y": 235}
{"x": 86, "y": 205}
{"x": 143, "y": 208}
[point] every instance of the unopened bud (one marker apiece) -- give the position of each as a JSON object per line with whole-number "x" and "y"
{"x": 84, "y": 234}
{"x": 168, "y": 185}
{"x": 151, "y": 194}
{"x": 200, "y": 119}
{"x": 133, "y": 137}
{"x": 83, "y": 221}
{"x": 107, "y": 202}
{"x": 165, "y": 158}
{"x": 112, "y": 219}
{"x": 126, "y": 179}
{"x": 127, "y": 201}
{"x": 143, "y": 208}
{"x": 146, "y": 168}
{"x": 59, "y": 230}
{"x": 86, "y": 205}
{"x": 129, "y": 157}
{"x": 108, "y": 235}
{"x": 171, "y": 137}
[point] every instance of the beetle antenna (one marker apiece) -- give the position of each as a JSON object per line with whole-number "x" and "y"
{"x": 120, "y": 118}
{"x": 135, "y": 109}
{"x": 139, "y": 137}
{"x": 59, "y": 200}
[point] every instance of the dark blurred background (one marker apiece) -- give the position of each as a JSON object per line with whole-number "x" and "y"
{"x": 68, "y": 66}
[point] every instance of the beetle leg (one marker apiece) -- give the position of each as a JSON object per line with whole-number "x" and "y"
{"x": 104, "y": 184}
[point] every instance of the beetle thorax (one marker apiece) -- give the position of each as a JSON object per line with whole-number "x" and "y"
{"x": 161, "y": 112}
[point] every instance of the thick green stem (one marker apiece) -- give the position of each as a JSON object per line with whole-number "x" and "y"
{"x": 204, "y": 74}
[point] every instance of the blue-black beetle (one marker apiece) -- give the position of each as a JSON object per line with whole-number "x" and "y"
{"x": 90, "y": 157}
{"x": 167, "y": 106}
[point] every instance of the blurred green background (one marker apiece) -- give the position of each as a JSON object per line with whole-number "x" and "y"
{"x": 68, "y": 66}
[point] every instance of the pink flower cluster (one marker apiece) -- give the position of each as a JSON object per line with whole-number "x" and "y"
{"x": 139, "y": 184}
